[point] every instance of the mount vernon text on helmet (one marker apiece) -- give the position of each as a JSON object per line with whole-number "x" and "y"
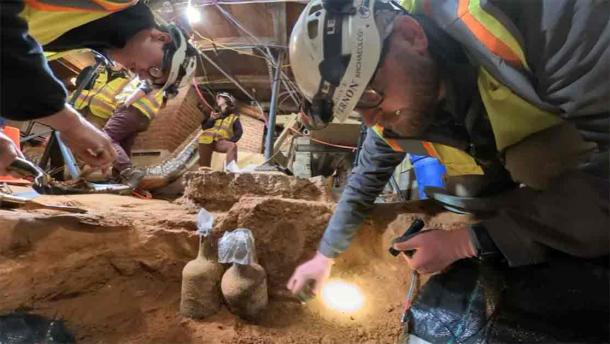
{"x": 354, "y": 83}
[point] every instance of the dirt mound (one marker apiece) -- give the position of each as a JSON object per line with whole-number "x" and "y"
{"x": 114, "y": 274}
{"x": 215, "y": 190}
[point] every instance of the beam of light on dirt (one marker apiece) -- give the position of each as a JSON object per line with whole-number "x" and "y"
{"x": 342, "y": 296}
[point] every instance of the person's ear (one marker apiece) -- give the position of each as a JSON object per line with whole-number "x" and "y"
{"x": 158, "y": 35}
{"x": 408, "y": 29}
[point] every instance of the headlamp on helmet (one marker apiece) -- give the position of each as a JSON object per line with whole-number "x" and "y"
{"x": 335, "y": 49}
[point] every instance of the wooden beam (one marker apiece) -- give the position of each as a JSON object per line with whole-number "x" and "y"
{"x": 290, "y": 125}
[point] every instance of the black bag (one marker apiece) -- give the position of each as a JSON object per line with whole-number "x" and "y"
{"x": 24, "y": 328}
{"x": 564, "y": 301}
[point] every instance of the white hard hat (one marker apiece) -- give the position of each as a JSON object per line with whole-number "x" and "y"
{"x": 228, "y": 96}
{"x": 335, "y": 48}
{"x": 180, "y": 57}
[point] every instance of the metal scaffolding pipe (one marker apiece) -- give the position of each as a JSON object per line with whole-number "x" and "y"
{"x": 275, "y": 87}
{"x": 288, "y": 84}
{"x": 227, "y": 75}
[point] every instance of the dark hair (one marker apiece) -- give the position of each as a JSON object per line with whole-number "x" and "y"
{"x": 442, "y": 47}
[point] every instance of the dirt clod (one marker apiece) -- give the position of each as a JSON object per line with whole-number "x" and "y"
{"x": 215, "y": 190}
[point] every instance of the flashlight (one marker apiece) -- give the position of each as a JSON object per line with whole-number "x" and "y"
{"x": 306, "y": 293}
{"x": 415, "y": 227}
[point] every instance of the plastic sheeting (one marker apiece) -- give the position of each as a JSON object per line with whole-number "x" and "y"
{"x": 24, "y": 328}
{"x": 565, "y": 301}
{"x": 205, "y": 222}
{"x": 237, "y": 247}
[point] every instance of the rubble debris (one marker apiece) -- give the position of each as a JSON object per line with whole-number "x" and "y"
{"x": 218, "y": 191}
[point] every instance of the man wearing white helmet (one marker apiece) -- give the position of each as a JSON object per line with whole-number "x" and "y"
{"x": 124, "y": 30}
{"x": 520, "y": 88}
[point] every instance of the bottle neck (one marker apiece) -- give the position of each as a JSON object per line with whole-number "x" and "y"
{"x": 205, "y": 249}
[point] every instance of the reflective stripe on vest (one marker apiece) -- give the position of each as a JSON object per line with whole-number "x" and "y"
{"x": 491, "y": 41}
{"x": 490, "y": 32}
{"x": 84, "y": 98}
{"x": 49, "y": 19}
{"x": 80, "y": 6}
{"x": 150, "y": 104}
{"x": 101, "y": 98}
{"x": 378, "y": 129}
{"x": 513, "y": 106}
{"x": 457, "y": 162}
{"x": 222, "y": 130}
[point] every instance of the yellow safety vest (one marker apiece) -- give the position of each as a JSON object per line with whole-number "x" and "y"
{"x": 512, "y": 117}
{"x": 102, "y": 97}
{"x": 409, "y": 5}
{"x": 49, "y": 19}
{"x": 456, "y": 162}
{"x": 150, "y": 104}
{"x": 222, "y": 130}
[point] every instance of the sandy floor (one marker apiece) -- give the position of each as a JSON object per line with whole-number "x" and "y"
{"x": 114, "y": 273}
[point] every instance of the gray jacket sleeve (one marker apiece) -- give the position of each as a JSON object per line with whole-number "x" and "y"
{"x": 376, "y": 164}
{"x": 568, "y": 48}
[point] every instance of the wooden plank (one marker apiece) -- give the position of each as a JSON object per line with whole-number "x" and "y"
{"x": 292, "y": 124}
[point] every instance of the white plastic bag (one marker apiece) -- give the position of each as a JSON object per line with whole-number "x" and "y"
{"x": 205, "y": 222}
{"x": 237, "y": 247}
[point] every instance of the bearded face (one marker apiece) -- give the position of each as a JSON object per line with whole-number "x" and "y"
{"x": 408, "y": 79}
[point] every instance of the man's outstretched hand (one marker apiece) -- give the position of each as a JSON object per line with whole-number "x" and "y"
{"x": 316, "y": 271}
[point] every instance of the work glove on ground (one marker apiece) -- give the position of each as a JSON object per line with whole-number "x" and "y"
{"x": 436, "y": 249}
{"x": 315, "y": 270}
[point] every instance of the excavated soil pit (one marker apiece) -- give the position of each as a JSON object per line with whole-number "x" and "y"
{"x": 114, "y": 274}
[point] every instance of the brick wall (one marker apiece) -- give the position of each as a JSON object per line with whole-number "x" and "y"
{"x": 181, "y": 117}
{"x": 252, "y": 139}
{"x": 173, "y": 124}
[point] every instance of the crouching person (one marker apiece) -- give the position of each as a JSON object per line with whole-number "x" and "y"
{"x": 221, "y": 131}
{"x": 139, "y": 108}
